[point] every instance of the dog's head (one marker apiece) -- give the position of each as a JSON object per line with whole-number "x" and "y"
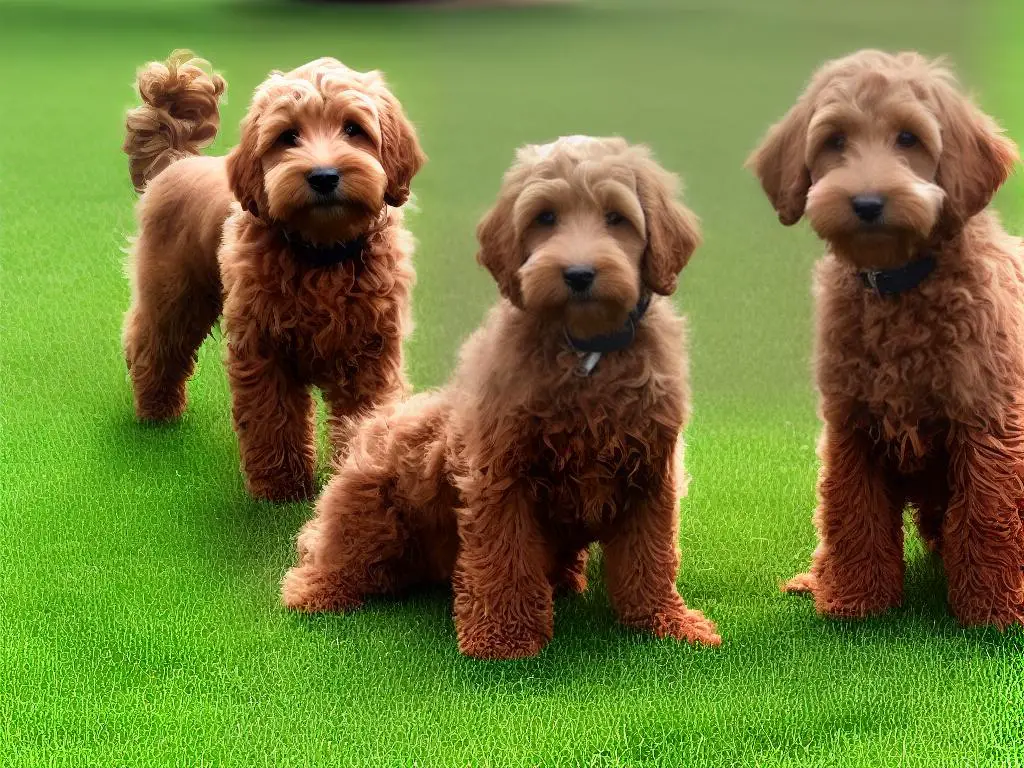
{"x": 323, "y": 149}
{"x": 583, "y": 227}
{"x": 883, "y": 153}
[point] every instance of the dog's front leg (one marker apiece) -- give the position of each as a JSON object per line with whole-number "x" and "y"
{"x": 983, "y": 541}
{"x": 374, "y": 383}
{"x": 274, "y": 419}
{"x": 641, "y": 564}
{"x": 857, "y": 568}
{"x": 503, "y": 598}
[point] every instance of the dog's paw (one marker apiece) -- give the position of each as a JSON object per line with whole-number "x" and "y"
{"x": 855, "y": 605}
{"x": 984, "y": 615}
{"x": 801, "y": 584}
{"x": 281, "y": 489}
{"x": 309, "y": 590}
{"x": 685, "y": 624}
{"x": 488, "y": 640}
{"x": 570, "y": 582}
{"x": 160, "y": 409}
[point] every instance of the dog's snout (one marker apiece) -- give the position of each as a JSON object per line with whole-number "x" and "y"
{"x": 579, "y": 278}
{"x": 868, "y": 207}
{"x": 323, "y": 180}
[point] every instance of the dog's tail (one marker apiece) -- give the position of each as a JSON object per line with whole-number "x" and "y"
{"x": 179, "y": 114}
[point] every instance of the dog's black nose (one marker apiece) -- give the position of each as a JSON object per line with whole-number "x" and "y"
{"x": 868, "y": 207}
{"x": 323, "y": 180}
{"x": 578, "y": 278}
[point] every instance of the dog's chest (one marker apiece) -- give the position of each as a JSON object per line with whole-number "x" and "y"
{"x": 904, "y": 355}
{"x": 901, "y": 360}
{"x": 318, "y": 317}
{"x": 585, "y": 470}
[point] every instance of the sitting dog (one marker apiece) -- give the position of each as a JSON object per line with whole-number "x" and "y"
{"x": 920, "y": 333}
{"x": 561, "y": 426}
{"x": 311, "y": 266}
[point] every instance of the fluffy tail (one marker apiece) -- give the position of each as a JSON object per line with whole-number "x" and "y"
{"x": 179, "y": 114}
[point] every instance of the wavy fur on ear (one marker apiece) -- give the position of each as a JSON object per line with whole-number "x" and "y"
{"x": 673, "y": 231}
{"x": 500, "y": 250}
{"x": 780, "y": 165}
{"x": 977, "y": 157}
{"x": 401, "y": 154}
{"x": 245, "y": 172}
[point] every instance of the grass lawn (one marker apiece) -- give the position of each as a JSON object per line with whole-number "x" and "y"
{"x": 139, "y": 620}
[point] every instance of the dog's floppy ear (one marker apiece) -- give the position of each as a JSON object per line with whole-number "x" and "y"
{"x": 977, "y": 157}
{"x": 673, "y": 231}
{"x": 245, "y": 171}
{"x": 779, "y": 163}
{"x": 500, "y": 250}
{"x": 401, "y": 155}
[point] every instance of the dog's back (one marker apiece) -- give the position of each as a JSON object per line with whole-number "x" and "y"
{"x": 185, "y": 196}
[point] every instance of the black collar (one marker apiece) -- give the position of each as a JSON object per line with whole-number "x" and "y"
{"x": 892, "y": 282}
{"x": 324, "y": 255}
{"x": 591, "y": 349}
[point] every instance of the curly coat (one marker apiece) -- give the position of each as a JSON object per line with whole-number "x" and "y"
{"x": 501, "y": 480}
{"x": 922, "y": 393}
{"x": 218, "y": 234}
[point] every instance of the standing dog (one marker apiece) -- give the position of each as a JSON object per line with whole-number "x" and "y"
{"x": 561, "y": 426}
{"x": 920, "y": 333}
{"x": 311, "y": 266}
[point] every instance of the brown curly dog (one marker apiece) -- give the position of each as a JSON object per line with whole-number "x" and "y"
{"x": 561, "y": 426}
{"x": 920, "y": 333}
{"x": 311, "y": 266}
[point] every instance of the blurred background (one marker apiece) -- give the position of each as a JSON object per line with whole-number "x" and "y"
{"x": 138, "y": 584}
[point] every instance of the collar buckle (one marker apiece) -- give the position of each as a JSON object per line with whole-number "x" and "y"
{"x": 871, "y": 278}
{"x": 893, "y": 282}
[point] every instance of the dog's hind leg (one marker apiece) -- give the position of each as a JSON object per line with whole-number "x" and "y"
{"x": 570, "y": 576}
{"x": 386, "y": 521}
{"x": 163, "y": 330}
{"x": 358, "y": 545}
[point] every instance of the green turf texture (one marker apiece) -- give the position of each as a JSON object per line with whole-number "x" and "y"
{"x": 139, "y": 620}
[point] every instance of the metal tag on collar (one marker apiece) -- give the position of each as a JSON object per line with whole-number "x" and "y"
{"x": 872, "y": 278}
{"x": 588, "y": 362}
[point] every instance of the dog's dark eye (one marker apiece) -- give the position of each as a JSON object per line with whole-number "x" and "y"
{"x": 836, "y": 142}
{"x": 288, "y": 138}
{"x": 546, "y": 218}
{"x": 907, "y": 140}
{"x": 353, "y": 130}
{"x": 614, "y": 218}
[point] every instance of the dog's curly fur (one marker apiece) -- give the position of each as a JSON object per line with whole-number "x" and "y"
{"x": 922, "y": 394}
{"x": 501, "y": 480}
{"x": 290, "y": 322}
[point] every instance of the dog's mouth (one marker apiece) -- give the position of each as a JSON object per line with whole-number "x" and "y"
{"x": 336, "y": 206}
{"x": 327, "y": 204}
{"x": 582, "y": 297}
{"x": 877, "y": 247}
{"x": 885, "y": 227}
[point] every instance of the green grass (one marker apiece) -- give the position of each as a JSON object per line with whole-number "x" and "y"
{"x": 139, "y": 622}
